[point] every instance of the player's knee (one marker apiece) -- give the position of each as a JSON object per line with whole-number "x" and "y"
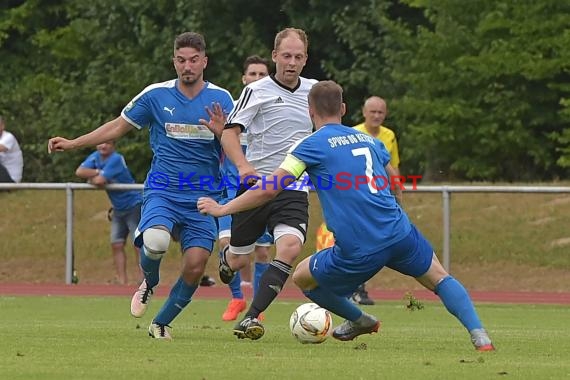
{"x": 239, "y": 261}
{"x": 262, "y": 254}
{"x": 302, "y": 276}
{"x": 288, "y": 242}
{"x": 297, "y": 278}
{"x": 155, "y": 242}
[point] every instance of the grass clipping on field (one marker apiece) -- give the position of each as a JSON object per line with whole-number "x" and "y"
{"x": 412, "y": 303}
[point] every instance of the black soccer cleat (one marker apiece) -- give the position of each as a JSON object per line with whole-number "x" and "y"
{"x": 360, "y": 296}
{"x": 226, "y": 273}
{"x": 349, "y": 330}
{"x": 207, "y": 281}
{"x": 249, "y": 328}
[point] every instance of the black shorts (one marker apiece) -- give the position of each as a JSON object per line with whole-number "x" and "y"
{"x": 290, "y": 207}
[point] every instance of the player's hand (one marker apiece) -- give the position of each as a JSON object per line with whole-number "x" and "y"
{"x": 208, "y": 206}
{"x": 217, "y": 119}
{"x": 59, "y": 144}
{"x": 248, "y": 175}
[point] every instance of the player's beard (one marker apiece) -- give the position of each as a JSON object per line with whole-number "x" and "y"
{"x": 190, "y": 79}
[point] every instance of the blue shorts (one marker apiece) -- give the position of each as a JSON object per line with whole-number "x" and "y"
{"x": 123, "y": 222}
{"x": 192, "y": 228}
{"x": 265, "y": 240}
{"x": 411, "y": 256}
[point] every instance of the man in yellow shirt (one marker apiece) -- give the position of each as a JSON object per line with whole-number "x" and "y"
{"x": 374, "y": 112}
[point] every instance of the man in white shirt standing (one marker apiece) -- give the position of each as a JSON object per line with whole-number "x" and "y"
{"x": 11, "y": 160}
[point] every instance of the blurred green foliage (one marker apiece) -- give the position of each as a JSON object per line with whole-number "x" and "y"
{"x": 476, "y": 90}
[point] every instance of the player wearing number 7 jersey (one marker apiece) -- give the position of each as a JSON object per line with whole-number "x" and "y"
{"x": 371, "y": 230}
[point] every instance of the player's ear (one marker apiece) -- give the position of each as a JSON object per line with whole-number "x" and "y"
{"x": 205, "y": 61}
{"x": 243, "y": 80}
{"x": 274, "y": 55}
{"x": 342, "y": 109}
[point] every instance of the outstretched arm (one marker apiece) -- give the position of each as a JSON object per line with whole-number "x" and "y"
{"x": 107, "y": 132}
{"x": 260, "y": 193}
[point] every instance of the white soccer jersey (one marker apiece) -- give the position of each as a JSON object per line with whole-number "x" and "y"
{"x": 12, "y": 158}
{"x": 275, "y": 118}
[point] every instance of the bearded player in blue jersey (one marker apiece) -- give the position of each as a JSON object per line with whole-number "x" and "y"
{"x": 185, "y": 166}
{"x": 371, "y": 230}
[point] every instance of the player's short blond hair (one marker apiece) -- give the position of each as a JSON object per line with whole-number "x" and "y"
{"x": 288, "y": 31}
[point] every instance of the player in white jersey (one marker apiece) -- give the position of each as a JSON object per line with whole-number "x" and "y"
{"x": 274, "y": 110}
{"x": 11, "y": 159}
{"x": 371, "y": 230}
{"x": 254, "y": 68}
{"x": 185, "y": 166}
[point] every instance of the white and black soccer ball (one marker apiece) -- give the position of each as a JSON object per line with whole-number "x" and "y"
{"x": 311, "y": 323}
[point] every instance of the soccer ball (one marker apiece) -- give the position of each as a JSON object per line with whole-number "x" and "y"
{"x": 310, "y": 323}
{"x": 325, "y": 238}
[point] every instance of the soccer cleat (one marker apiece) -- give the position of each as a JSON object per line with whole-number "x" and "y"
{"x": 207, "y": 281}
{"x": 360, "y": 296}
{"x": 349, "y": 330}
{"x": 158, "y": 331}
{"x": 249, "y": 328}
{"x": 226, "y": 273}
{"x": 485, "y": 348}
{"x": 481, "y": 340}
{"x": 236, "y": 306}
{"x": 140, "y": 300}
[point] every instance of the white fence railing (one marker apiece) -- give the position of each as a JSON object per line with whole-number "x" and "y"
{"x": 444, "y": 190}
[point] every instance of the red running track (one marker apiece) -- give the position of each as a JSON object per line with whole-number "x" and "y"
{"x": 287, "y": 293}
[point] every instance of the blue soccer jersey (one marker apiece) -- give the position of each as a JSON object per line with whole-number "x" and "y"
{"x": 114, "y": 170}
{"x": 347, "y": 168}
{"x": 186, "y": 161}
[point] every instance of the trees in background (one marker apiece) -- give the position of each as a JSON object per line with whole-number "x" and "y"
{"x": 476, "y": 90}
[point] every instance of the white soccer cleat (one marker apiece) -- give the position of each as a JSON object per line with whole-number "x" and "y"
{"x": 157, "y": 331}
{"x": 140, "y": 300}
{"x": 481, "y": 340}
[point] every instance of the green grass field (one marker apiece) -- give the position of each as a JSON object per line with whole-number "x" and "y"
{"x": 95, "y": 338}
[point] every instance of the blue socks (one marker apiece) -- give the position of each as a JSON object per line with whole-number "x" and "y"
{"x": 180, "y": 296}
{"x": 457, "y": 302}
{"x": 341, "y": 306}
{"x": 260, "y": 268}
{"x": 150, "y": 267}
{"x": 235, "y": 287}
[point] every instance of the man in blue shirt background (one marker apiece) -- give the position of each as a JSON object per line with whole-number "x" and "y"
{"x": 107, "y": 166}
